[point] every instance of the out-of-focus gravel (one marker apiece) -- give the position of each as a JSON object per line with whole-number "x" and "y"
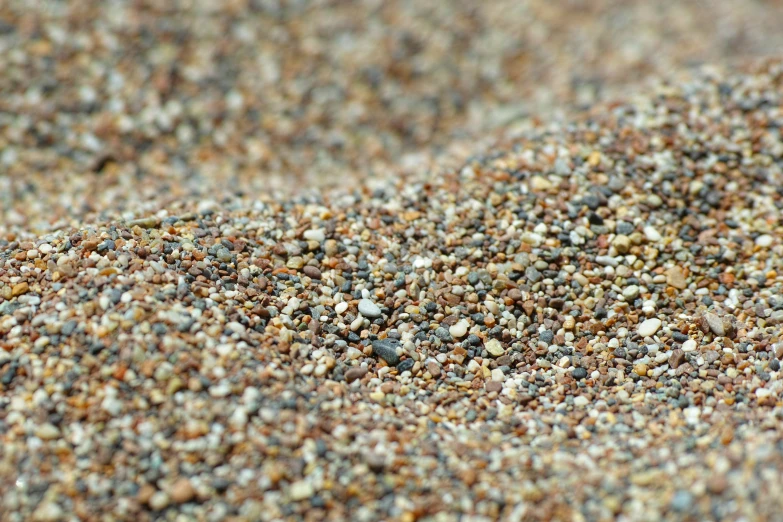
{"x": 110, "y": 107}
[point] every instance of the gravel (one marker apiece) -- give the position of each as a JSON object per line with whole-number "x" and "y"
{"x": 369, "y": 309}
{"x": 472, "y": 339}
{"x": 119, "y": 111}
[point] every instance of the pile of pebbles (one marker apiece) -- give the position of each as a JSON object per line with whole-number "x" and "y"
{"x": 115, "y": 109}
{"x": 584, "y": 324}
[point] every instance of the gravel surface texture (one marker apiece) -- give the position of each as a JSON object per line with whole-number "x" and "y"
{"x": 581, "y": 324}
{"x": 109, "y": 108}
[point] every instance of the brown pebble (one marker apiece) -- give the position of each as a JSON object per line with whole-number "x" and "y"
{"x": 355, "y": 373}
{"x": 515, "y": 294}
{"x": 494, "y": 386}
{"x": 145, "y": 493}
{"x": 90, "y": 245}
{"x": 676, "y": 358}
{"x": 312, "y": 272}
{"x": 717, "y": 484}
{"x": 182, "y": 491}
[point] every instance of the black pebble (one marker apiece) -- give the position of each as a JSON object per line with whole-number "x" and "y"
{"x": 595, "y": 219}
{"x": 579, "y": 374}
{"x": 405, "y": 365}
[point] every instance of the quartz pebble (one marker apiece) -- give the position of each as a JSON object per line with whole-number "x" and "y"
{"x": 649, "y": 327}
{"x": 689, "y": 345}
{"x": 652, "y": 234}
{"x": 764, "y": 241}
{"x": 459, "y": 329}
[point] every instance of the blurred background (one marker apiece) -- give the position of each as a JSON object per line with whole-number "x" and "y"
{"x": 110, "y": 108}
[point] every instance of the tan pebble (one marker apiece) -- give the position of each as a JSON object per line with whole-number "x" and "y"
{"x": 47, "y": 432}
{"x": 145, "y": 493}
{"x": 676, "y": 278}
{"x": 295, "y": 263}
{"x": 540, "y": 183}
{"x": 622, "y": 244}
{"x": 19, "y": 289}
{"x": 331, "y": 247}
{"x": 48, "y": 512}
{"x": 715, "y": 324}
{"x": 182, "y": 491}
{"x": 494, "y": 348}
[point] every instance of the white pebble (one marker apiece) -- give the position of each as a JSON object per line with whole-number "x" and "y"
{"x": 581, "y": 401}
{"x": 112, "y": 406}
{"x": 649, "y": 327}
{"x": 301, "y": 490}
{"x": 631, "y": 292}
{"x": 315, "y": 235}
{"x": 651, "y": 234}
{"x": 237, "y": 328}
{"x": 764, "y": 240}
{"x": 459, "y": 329}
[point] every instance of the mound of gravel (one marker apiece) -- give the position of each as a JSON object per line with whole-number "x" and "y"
{"x": 119, "y": 109}
{"x": 584, "y": 324}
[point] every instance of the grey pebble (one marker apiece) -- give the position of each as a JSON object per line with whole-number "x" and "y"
{"x": 369, "y": 309}
{"x": 386, "y": 349}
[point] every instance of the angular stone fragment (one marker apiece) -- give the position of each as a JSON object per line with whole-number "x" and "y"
{"x": 676, "y": 278}
{"x": 494, "y": 348}
{"x": 676, "y": 358}
{"x": 715, "y": 324}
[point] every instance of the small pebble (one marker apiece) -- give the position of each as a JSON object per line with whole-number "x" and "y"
{"x": 649, "y": 327}
{"x": 369, "y": 309}
{"x": 459, "y": 329}
{"x": 386, "y": 350}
